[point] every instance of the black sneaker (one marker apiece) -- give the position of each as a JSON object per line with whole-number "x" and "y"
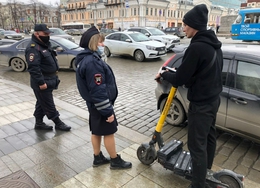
{"x": 62, "y": 126}
{"x": 119, "y": 163}
{"x": 100, "y": 160}
{"x": 42, "y": 126}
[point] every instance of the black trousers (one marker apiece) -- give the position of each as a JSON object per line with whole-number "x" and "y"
{"x": 202, "y": 139}
{"x": 45, "y": 104}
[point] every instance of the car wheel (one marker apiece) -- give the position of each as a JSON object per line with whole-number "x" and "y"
{"x": 73, "y": 64}
{"x": 107, "y": 51}
{"x": 176, "y": 114}
{"x": 181, "y": 37}
{"x": 139, "y": 55}
{"x": 18, "y": 64}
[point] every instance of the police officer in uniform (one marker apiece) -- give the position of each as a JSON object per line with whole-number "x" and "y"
{"x": 43, "y": 68}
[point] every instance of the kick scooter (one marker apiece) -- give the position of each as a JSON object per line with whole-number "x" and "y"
{"x": 172, "y": 156}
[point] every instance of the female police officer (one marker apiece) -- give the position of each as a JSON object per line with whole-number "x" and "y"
{"x": 96, "y": 84}
{"x": 43, "y": 67}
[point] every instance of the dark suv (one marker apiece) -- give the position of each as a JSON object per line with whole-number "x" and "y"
{"x": 175, "y": 31}
{"x": 239, "y": 109}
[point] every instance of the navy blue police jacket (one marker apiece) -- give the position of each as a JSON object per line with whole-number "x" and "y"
{"x": 96, "y": 82}
{"x": 42, "y": 64}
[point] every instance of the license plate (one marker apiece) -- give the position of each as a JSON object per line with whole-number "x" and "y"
{"x": 161, "y": 52}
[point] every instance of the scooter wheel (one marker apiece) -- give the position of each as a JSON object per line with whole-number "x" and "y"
{"x": 147, "y": 155}
{"x": 230, "y": 181}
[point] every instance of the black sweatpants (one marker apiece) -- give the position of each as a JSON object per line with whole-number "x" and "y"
{"x": 202, "y": 139}
{"x": 45, "y": 104}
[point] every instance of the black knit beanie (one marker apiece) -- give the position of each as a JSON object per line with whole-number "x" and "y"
{"x": 86, "y": 36}
{"x": 197, "y": 18}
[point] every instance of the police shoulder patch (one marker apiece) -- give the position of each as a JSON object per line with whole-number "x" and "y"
{"x": 31, "y": 57}
{"x": 98, "y": 79}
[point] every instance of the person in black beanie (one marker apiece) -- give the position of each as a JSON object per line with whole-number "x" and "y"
{"x": 203, "y": 90}
{"x": 97, "y": 86}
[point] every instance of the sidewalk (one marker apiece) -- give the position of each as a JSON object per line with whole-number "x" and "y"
{"x": 64, "y": 159}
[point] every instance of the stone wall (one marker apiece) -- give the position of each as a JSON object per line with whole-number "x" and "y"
{"x": 226, "y": 22}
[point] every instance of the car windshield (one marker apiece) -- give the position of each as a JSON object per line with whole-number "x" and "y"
{"x": 156, "y": 31}
{"x": 139, "y": 37}
{"x": 57, "y": 31}
{"x": 68, "y": 44}
{"x": 10, "y": 32}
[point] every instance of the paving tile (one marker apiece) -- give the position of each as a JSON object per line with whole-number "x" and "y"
{"x": 11, "y": 164}
{"x": 23, "y": 161}
{"x": 27, "y": 123}
{"x": 72, "y": 183}
{"x": 27, "y": 139}
{"x": 2, "y": 134}
{"x": 19, "y": 127}
{"x": 4, "y": 121}
{"x": 51, "y": 173}
{"x": 141, "y": 182}
{"x": 16, "y": 142}
{"x": 6, "y": 147}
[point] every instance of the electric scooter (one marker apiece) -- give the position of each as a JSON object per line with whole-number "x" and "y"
{"x": 172, "y": 156}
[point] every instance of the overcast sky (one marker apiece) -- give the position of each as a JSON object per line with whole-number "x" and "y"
{"x": 48, "y": 2}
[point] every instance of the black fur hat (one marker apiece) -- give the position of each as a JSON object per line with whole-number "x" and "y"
{"x": 197, "y": 18}
{"x": 87, "y": 36}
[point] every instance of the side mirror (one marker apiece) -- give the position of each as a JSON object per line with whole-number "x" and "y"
{"x": 147, "y": 34}
{"x": 128, "y": 40}
{"x": 59, "y": 49}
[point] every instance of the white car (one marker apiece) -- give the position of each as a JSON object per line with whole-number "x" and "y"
{"x": 156, "y": 34}
{"x": 133, "y": 44}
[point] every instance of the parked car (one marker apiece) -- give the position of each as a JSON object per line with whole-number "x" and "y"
{"x": 106, "y": 31}
{"x": 133, "y": 44}
{"x": 11, "y": 35}
{"x": 239, "y": 109}
{"x": 7, "y": 41}
{"x": 156, "y": 34}
{"x": 60, "y": 33}
{"x": 13, "y": 55}
{"x": 73, "y": 32}
{"x": 178, "y": 31}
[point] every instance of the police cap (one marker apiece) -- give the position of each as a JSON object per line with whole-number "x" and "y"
{"x": 42, "y": 27}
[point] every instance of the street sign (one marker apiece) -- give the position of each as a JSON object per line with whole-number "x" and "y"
{"x": 126, "y": 4}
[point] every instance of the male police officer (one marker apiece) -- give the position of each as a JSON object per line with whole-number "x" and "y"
{"x": 43, "y": 68}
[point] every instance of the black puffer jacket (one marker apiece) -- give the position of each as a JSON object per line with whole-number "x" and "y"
{"x": 198, "y": 55}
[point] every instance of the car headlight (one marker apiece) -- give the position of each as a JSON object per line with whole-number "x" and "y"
{"x": 167, "y": 39}
{"x": 72, "y": 38}
{"x": 150, "y": 47}
{"x": 9, "y": 37}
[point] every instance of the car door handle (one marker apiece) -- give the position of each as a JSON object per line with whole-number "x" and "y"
{"x": 238, "y": 100}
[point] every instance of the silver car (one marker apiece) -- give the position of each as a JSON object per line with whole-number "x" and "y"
{"x": 240, "y": 98}
{"x": 60, "y": 33}
{"x": 11, "y": 35}
{"x": 13, "y": 55}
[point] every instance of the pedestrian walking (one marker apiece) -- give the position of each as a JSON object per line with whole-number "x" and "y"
{"x": 96, "y": 84}
{"x": 43, "y": 68}
{"x": 203, "y": 53}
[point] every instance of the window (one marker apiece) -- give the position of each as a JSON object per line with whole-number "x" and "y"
{"x": 123, "y": 37}
{"x": 226, "y": 63}
{"x": 23, "y": 45}
{"x": 248, "y": 78}
{"x": 252, "y": 18}
{"x": 146, "y": 11}
{"x": 155, "y": 12}
{"x": 151, "y": 12}
{"x": 114, "y": 37}
{"x": 134, "y": 11}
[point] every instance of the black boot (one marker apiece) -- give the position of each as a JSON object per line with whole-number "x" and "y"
{"x": 61, "y": 125}
{"x": 100, "y": 159}
{"x": 41, "y": 125}
{"x": 119, "y": 163}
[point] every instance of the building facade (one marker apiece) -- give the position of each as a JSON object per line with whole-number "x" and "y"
{"x": 129, "y": 13}
{"x": 24, "y": 16}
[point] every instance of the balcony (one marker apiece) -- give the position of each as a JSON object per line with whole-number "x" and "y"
{"x": 114, "y": 3}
